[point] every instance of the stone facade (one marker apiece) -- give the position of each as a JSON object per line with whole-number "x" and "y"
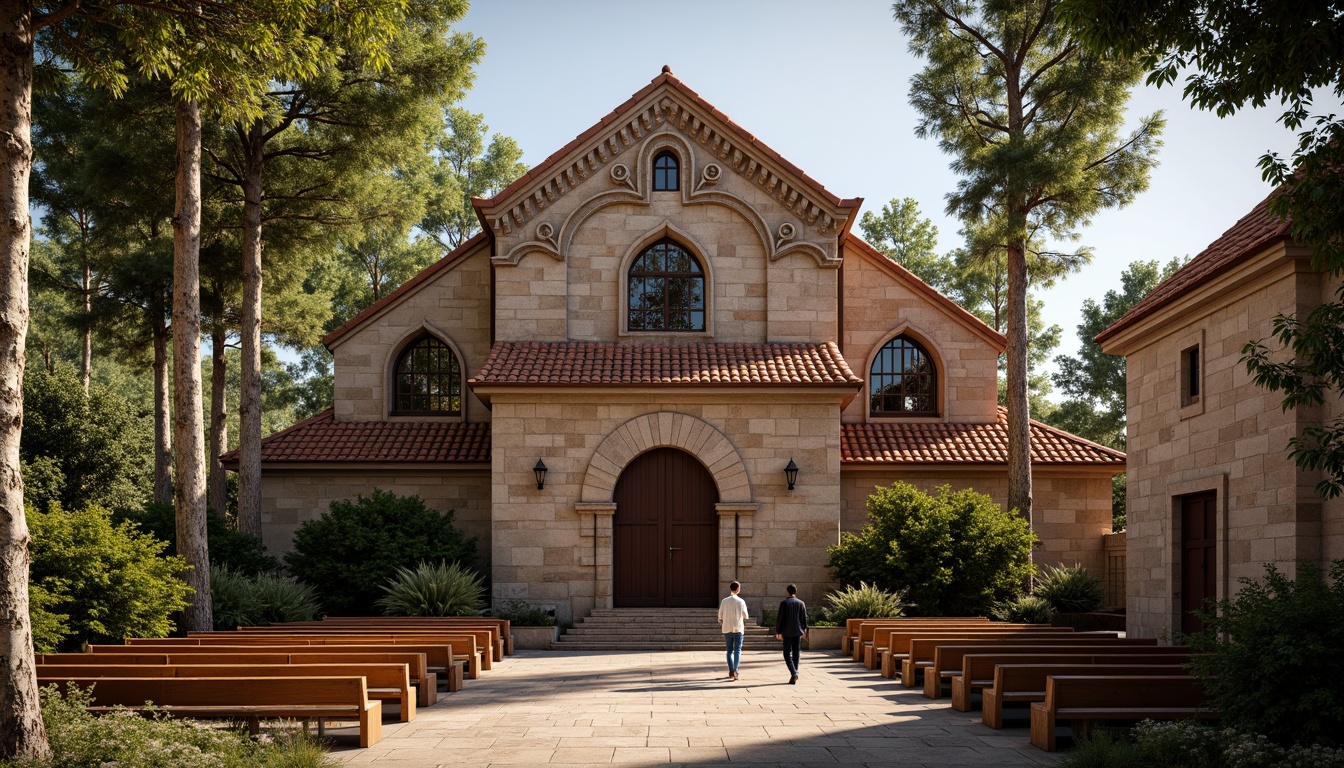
{"x": 1230, "y": 439}
{"x": 787, "y": 291}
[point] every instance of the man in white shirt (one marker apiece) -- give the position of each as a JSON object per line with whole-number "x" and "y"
{"x": 733, "y": 618}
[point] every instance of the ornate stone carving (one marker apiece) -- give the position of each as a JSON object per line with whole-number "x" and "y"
{"x": 546, "y": 233}
{"x": 620, "y": 176}
{"x": 709, "y": 176}
{"x": 785, "y": 234}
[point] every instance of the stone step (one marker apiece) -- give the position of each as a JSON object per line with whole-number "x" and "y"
{"x": 657, "y": 629}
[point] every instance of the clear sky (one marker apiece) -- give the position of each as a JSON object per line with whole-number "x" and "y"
{"x": 826, "y": 85}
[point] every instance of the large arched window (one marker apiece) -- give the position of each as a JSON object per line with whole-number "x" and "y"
{"x": 666, "y": 290}
{"x": 666, "y": 172}
{"x": 428, "y": 380}
{"x": 903, "y": 380}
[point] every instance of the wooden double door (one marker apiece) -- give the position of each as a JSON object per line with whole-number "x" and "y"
{"x": 665, "y": 533}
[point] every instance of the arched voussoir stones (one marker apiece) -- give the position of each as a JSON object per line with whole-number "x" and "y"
{"x": 667, "y": 429}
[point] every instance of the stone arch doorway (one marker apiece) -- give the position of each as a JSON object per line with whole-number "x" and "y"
{"x": 665, "y": 533}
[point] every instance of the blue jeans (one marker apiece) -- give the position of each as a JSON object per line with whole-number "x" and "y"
{"x": 733, "y": 640}
{"x": 792, "y": 650}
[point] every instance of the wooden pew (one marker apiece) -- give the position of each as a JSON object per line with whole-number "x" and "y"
{"x": 463, "y": 646}
{"x": 863, "y": 629}
{"x": 441, "y": 665}
{"x": 880, "y": 640}
{"x": 922, "y": 649}
{"x": 977, "y": 668}
{"x": 495, "y": 639}
{"x": 505, "y": 628}
{"x": 898, "y": 642}
{"x": 241, "y": 698}
{"x": 947, "y": 658}
{"x": 484, "y": 638}
{"x": 1083, "y": 699}
{"x": 852, "y": 626}
{"x": 385, "y": 682}
{"x": 1025, "y": 683}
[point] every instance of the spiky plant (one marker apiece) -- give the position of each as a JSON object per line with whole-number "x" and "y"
{"x": 233, "y": 597}
{"x": 284, "y": 599}
{"x": 865, "y": 601}
{"x": 428, "y": 590}
{"x": 1028, "y": 609}
{"x": 1069, "y": 589}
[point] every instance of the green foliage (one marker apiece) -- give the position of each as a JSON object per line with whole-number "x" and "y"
{"x": 112, "y": 581}
{"x": 229, "y": 547}
{"x": 1119, "y": 501}
{"x": 523, "y": 614}
{"x": 910, "y": 240}
{"x": 1102, "y": 750}
{"x": 1027, "y": 609}
{"x": 240, "y": 600}
{"x": 126, "y": 739}
{"x": 351, "y": 551}
{"x": 863, "y": 602}
{"x": 1069, "y": 589}
{"x": 1298, "y": 623}
{"x": 84, "y": 449}
{"x": 465, "y": 168}
{"x": 433, "y": 590}
{"x": 954, "y": 553}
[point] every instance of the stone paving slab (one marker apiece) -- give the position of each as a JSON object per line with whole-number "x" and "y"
{"x": 589, "y": 708}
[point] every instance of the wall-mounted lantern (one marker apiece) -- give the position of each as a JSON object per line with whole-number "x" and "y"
{"x": 540, "y": 472}
{"x": 791, "y": 473}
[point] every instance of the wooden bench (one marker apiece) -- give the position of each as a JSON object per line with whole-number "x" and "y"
{"x": 863, "y": 630}
{"x": 1084, "y": 699}
{"x": 460, "y": 646}
{"x": 440, "y": 666}
{"x": 977, "y": 668}
{"x": 1025, "y": 683}
{"x": 492, "y": 634}
{"x": 946, "y": 662}
{"x": 433, "y": 622}
{"x": 481, "y": 646}
{"x": 880, "y": 641}
{"x": 241, "y": 698}
{"x": 385, "y": 682}
{"x": 852, "y": 626}
{"x": 898, "y": 643}
{"x": 923, "y": 649}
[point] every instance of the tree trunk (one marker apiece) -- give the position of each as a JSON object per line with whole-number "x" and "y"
{"x": 163, "y": 414}
{"x": 249, "y": 407}
{"x": 86, "y": 366}
{"x": 219, "y": 411}
{"x": 188, "y": 432}
{"x": 22, "y": 733}
{"x": 1019, "y": 408}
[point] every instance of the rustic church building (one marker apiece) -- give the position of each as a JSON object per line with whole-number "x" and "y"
{"x": 664, "y": 364}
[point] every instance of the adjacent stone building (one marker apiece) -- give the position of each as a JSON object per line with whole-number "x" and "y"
{"x": 677, "y": 324}
{"x": 1212, "y": 494}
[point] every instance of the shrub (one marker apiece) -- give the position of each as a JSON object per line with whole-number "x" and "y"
{"x": 1102, "y": 750}
{"x": 127, "y": 740}
{"x": 429, "y": 590}
{"x": 110, "y": 581}
{"x": 953, "y": 553}
{"x": 1271, "y": 658}
{"x": 349, "y": 553}
{"x": 1069, "y": 590}
{"x": 229, "y": 547}
{"x": 863, "y": 602}
{"x": 1028, "y": 609}
{"x": 522, "y": 614}
{"x": 241, "y": 600}
{"x": 1194, "y": 745}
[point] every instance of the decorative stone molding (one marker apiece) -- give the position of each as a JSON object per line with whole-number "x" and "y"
{"x": 546, "y": 234}
{"x": 709, "y": 176}
{"x": 784, "y": 234}
{"x": 631, "y": 131}
{"x": 620, "y": 176}
{"x": 666, "y": 429}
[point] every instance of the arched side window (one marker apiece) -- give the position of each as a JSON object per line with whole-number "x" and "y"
{"x": 666, "y": 290}
{"x": 427, "y": 380}
{"x": 903, "y": 381}
{"x": 666, "y": 172}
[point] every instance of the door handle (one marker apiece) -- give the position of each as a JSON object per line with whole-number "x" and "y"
{"x": 670, "y": 550}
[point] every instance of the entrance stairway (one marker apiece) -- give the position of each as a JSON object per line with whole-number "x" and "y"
{"x": 657, "y": 629}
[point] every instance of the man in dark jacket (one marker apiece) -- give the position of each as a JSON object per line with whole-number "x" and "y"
{"x": 790, "y": 625}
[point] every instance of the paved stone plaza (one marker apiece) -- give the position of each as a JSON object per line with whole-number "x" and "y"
{"x": 677, "y": 708}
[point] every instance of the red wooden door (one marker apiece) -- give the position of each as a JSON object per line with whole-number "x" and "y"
{"x": 665, "y": 533}
{"x": 1199, "y": 556}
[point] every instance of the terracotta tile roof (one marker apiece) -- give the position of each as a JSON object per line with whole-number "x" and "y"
{"x": 862, "y": 247}
{"x": 425, "y": 275}
{"x": 889, "y": 443}
{"x": 1256, "y": 230}
{"x": 323, "y": 439}
{"x": 633, "y": 363}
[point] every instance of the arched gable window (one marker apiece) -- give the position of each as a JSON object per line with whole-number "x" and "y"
{"x": 666, "y": 290}
{"x": 666, "y": 172}
{"x": 903, "y": 381}
{"x": 428, "y": 380}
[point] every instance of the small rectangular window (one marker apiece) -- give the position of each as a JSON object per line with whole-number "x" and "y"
{"x": 1190, "y": 376}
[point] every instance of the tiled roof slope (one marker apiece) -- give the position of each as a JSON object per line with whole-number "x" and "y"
{"x": 1252, "y": 234}
{"x": 323, "y": 439}
{"x": 890, "y": 443}
{"x": 595, "y": 362}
